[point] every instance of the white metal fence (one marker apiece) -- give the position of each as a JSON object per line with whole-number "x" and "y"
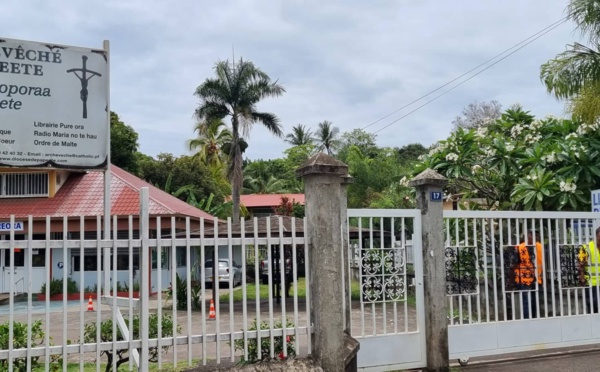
{"x": 181, "y": 328}
{"x": 515, "y": 281}
{"x": 518, "y": 281}
{"x": 482, "y": 264}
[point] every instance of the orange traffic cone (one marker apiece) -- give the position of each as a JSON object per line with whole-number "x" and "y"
{"x": 211, "y": 313}
{"x": 90, "y": 304}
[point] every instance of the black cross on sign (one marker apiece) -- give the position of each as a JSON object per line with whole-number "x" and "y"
{"x": 84, "y": 79}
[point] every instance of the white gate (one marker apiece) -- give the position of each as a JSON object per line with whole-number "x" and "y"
{"x": 386, "y": 271}
{"x": 498, "y": 304}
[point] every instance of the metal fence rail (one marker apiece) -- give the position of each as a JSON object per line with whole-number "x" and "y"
{"x": 65, "y": 264}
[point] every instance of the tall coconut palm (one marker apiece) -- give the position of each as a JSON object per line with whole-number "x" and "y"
{"x": 300, "y": 136}
{"x": 327, "y": 137}
{"x": 575, "y": 73}
{"x": 234, "y": 93}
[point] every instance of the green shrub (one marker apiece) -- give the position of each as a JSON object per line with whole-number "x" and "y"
{"x": 106, "y": 333}
{"x": 56, "y": 287}
{"x": 120, "y": 287}
{"x": 19, "y": 342}
{"x": 181, "y": 301}
{"x": 136, "y": 287}
{"x": 265, "y": 345}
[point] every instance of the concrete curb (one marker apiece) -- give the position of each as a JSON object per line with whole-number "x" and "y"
{"x": 476, "y": 363}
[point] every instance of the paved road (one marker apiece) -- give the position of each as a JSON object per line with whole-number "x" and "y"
{"x": 571, "y": 360}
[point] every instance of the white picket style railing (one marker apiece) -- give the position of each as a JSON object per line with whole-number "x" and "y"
{"x": 72, "y": 249}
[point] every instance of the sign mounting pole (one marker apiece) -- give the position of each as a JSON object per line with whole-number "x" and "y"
{"x": 107, "y": 177}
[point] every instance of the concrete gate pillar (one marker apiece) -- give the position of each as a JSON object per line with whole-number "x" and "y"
{"x": 333, "y": 349}
{"x": 429, "y": 187}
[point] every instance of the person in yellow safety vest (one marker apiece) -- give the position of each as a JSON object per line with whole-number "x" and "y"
{"x": 593, "y": 270}
{"x": 525, "y": 274}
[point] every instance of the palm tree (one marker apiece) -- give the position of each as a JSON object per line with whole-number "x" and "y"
{"x": 213, "y": 134}
{"x": 259, "y": 185}
{"x": 234, "y": 93}
{"x": 218, "y": 173}
{"x": 300, "y": 136}
{"x": 327, "y": 137}
{"x": 575, "y": 73}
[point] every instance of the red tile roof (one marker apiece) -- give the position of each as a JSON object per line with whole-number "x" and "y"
{"x": 268, "y": 200}
{"x": 83, "y": 193}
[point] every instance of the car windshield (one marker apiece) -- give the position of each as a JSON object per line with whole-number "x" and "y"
{"x": 209, "y": 264}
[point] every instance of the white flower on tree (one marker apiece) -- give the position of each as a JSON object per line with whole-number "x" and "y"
{"x": 567, "y": 186}
{"x": 451, "y": 157}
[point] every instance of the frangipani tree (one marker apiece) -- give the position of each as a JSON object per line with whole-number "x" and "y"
{"x": 520, "y": 163}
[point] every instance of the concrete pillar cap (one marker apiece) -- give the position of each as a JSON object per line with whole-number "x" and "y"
{"x": 428, "y": 177}
{"x": 322, "y": 163}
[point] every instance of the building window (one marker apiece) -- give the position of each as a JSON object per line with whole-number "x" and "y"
{"x": 90, "y": 262}
{"x": 93, "y": 235}
{"x": 262, "y": 212}
{"x": 123, "y": 262}
{"x": 24, "y": 184}
{"x": 38, "y": 257}
{"x": 19, "y": 255}
{"x": 164, "y": 256}
{"x": 181, "y": 256}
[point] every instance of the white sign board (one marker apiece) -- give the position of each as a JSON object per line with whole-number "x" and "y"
{"x": 53, "y": 105}
{"x": 595, "y": 200}
{"x": 7, "y": 226}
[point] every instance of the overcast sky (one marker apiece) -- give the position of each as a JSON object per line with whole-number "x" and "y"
{"x": 349, "y": 62}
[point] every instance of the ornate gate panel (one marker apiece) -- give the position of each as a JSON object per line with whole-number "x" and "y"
{"x": 386, "y": 271}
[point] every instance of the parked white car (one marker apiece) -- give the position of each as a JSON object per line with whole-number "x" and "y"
{"x": 223, "y": 272}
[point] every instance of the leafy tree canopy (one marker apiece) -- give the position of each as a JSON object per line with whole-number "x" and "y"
{"x": 172, "y": 173}
{"x": 521, "y": 163}
{"x": 375, "y": 177}
{"x": 478, "y": 114}
{"x": 277, "y": 175}
{"x": 123, "y": 144}
{"x": 297, "y": 155}
{"x": 410, "y": 153}
{"x": 359, "y": 138}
